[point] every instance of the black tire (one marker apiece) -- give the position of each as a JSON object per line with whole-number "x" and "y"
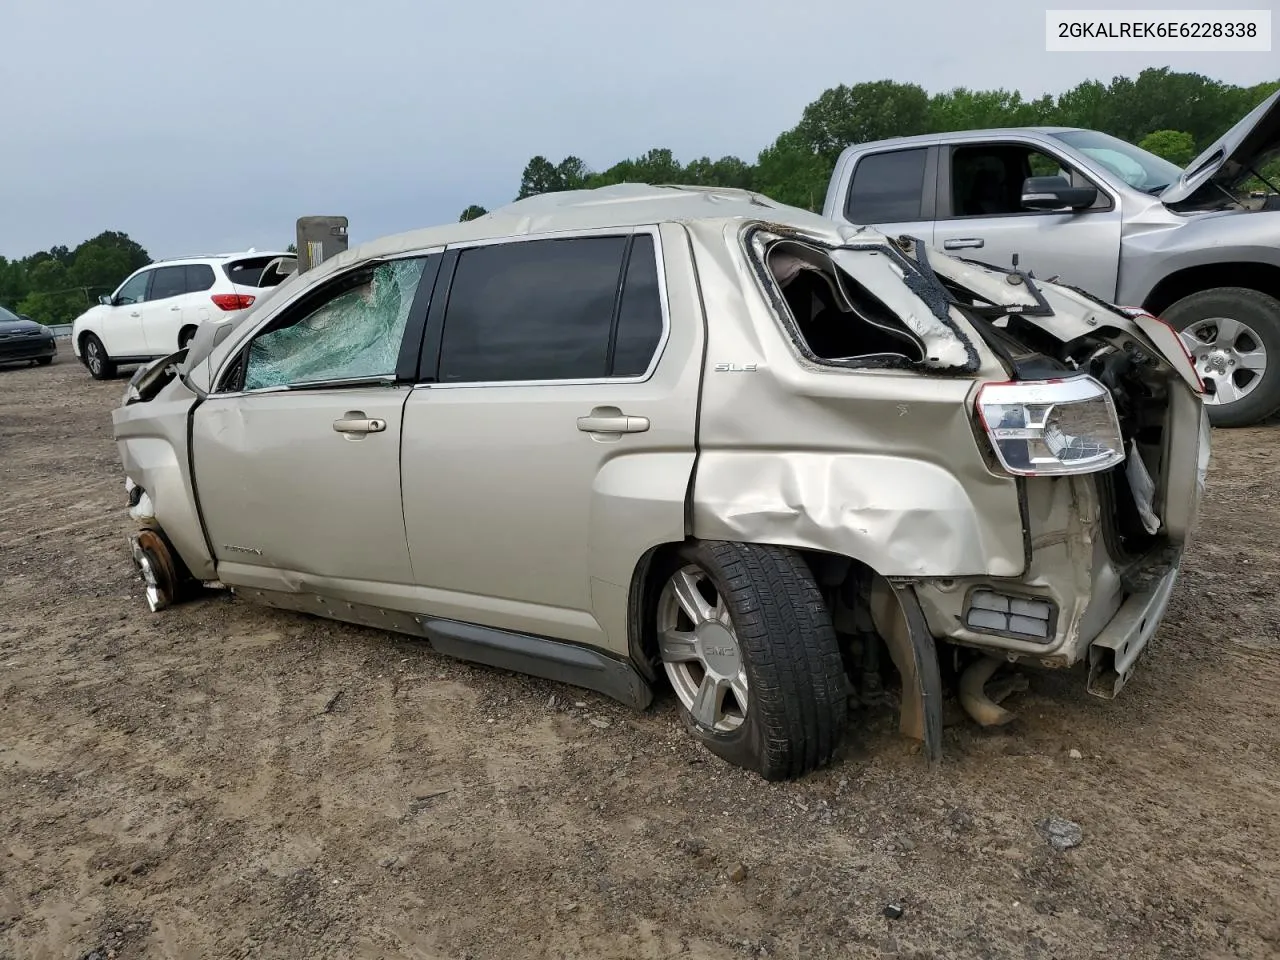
{"x": 44, "y": 361}
{"x": 1259, "y": 312}
{"x": 797, "y": 691}
{"x": 185, "y": 335}
{"x": 99, "y": 363}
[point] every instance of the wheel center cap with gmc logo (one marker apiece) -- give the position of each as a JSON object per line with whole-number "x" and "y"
{"x": 718, "y": 649}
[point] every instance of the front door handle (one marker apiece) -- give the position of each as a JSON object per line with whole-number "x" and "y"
{"x": 962, "y": 243}
{"x": 612, "y": 420}
{"x": 355, "y": 422}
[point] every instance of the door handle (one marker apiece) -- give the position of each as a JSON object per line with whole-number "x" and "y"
{"x": 135, "y": 313}
{"x": 612, "y": 420}
{"x": 175, "y": 308}
{"x": 357, "y": 423}
{"x": 962, "y": 243}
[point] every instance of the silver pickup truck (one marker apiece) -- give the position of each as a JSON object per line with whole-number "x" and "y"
{"x": 1108, "y": 218}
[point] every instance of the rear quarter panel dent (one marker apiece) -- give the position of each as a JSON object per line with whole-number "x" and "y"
{"x": 900, "y": 516}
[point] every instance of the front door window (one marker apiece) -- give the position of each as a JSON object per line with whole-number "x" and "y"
{"x": 355, "y": 335}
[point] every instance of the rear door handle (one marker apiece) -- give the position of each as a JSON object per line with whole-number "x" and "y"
{"x": 175, "y": 308}
{"x": 358, "y": 424}
{"x": 963, "y": 243}
{"x": 135, "y": 314}
{"x": 612, "y": 420}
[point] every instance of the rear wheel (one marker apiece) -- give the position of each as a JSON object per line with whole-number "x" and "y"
{"x": 96, "y": 359}
{"x": 1233, "y": 335}
{"x": 748, "y": 645}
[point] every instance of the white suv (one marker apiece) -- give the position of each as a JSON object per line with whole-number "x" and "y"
{"x": 157, "y": 309}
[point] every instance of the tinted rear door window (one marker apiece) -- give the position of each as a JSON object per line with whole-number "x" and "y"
{"x": 640, "y": 316}
{"x": 532, "y": 310}
{"x": 168, "y": 282}
{"x": 888, "y": 187}
{"x": 199, "y": 277}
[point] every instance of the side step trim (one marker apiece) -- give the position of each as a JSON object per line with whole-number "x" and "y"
{"x": 540, "y": 657}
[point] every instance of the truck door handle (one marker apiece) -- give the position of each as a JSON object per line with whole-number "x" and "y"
{"x": 355, "y": 422}
{"x": 962, "y": 243}
{"x": 612, "y": 420}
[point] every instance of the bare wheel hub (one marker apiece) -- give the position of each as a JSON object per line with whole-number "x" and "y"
{"x": 1229, "y": 357}
{"x": 700, "y": 651}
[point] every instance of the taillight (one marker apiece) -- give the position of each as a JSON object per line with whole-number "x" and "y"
{"x": 232, "y": 301}
{"x": 1051, "y": 427}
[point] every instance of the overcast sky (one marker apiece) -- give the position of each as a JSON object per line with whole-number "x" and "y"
{"x": 199, "y": 127}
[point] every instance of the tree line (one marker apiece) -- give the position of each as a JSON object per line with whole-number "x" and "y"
{"x": 1174, "y": 115}
{"x": 56, "y": 285}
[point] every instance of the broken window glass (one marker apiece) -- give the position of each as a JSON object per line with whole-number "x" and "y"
{"x": 356, "y": 335}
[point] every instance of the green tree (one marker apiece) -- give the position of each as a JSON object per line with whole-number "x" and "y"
{"x": 860, "y": 113}
{"x": 53, "y": 298}
{"x": 1173, "y": 145}
{"x": 55, "y": 285}
{"x": 542, "y": 176}
{"x": 792, "y": 172}
{"x": 725, "y": 172}
{"x": 472, "y": 212}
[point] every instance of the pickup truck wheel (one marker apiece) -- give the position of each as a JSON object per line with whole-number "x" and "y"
{"x": 96, "y": 359}
{"x": 748, "y": 645}
{"x": 1233, "y": 334}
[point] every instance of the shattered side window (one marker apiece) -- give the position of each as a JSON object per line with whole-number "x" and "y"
{"x": 355, "y": 335}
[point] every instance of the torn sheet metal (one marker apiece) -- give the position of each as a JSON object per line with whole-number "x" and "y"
{"x": 886, "y": 279}
{"x": 881, "y": 271}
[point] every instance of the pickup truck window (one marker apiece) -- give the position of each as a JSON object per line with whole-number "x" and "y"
{"x": 1133, "y": 165}
{"x": 986, "y": 179}
{"x": 888, "y": 187}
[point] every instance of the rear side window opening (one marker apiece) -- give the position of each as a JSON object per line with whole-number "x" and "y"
{"x": 835, "y": 316}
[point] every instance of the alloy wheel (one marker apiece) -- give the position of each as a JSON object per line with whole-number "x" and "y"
{"x": 1229, "y": 357}
{"x": 700, "y": 651}
{"x": 94, "y": 356}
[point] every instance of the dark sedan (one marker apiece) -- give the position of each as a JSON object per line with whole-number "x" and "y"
{"x": 24, "y": 340}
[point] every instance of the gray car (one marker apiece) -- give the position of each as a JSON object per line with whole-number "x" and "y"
{"x": 1101, "y": 214}
{"x": 641, "y": 436}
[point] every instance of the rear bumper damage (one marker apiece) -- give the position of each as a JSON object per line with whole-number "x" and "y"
{"x": 1114, "y": 653}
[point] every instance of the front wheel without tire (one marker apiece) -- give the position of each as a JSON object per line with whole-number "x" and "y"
{"x": 1233, "y": 335}
{"x": 747, "y": 643}
{"x": 96, "y": 359}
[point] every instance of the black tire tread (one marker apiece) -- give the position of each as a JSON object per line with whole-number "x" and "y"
{"x": 798, "y": 690}
{"x": 1264, "y": 401}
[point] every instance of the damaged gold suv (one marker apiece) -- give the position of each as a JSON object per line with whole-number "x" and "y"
{"x": 637, "y": 434}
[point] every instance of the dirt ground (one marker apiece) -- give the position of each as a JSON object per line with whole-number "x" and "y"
{"x": 222, "y": 780}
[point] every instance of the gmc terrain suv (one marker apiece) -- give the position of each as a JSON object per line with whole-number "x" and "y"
{"x": 640, "y": 435}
